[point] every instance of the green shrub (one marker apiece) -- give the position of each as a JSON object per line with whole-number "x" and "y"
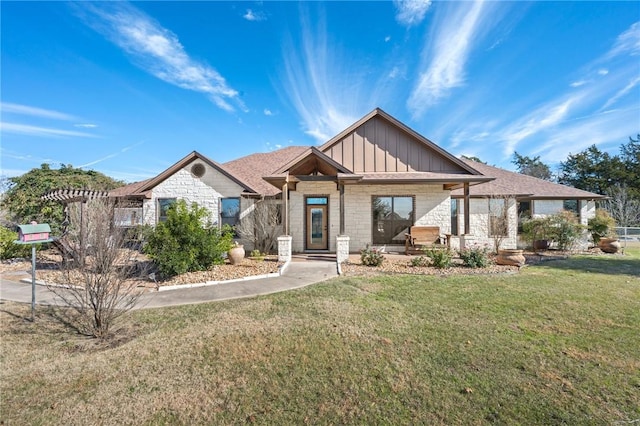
{"x": 420, "y": 261}
{"x": 10, "y": 250}
{"x": 371, "y": 256}
{"x": 601, "y": 226}
{"x": 566, "y": 229}
{"x": 187, "y": 241}
{"x": 440, "y": 257}
{"x": 475, "y": 257}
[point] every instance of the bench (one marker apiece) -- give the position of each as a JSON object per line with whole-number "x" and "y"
{"x": 423, "y": 236}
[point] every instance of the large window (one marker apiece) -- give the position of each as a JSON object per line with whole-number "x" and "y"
{"x": 455, "y": 215}
{"x": 229, "y": 211}
{"x": 498, "y": 219}
{"x": 392, "y": 217}
{"x": 524, "y": 213}
{"x": 163, "y": 207}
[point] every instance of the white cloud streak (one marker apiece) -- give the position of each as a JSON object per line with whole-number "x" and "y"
{"x": 448, "y": 51}
{"x": 86, "y": 125}
{"x": 411, "y": 12}
{"x": 158, "y": 51}
{"x": 322, "y": 84}
{"x": 108, "y": 157}
{"x": 26, "y": 129}
{"x": 35, "y": 112}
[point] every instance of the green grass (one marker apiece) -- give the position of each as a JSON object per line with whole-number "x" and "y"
{"x": 553, "y": 344}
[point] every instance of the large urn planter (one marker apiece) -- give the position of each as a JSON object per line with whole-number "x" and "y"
{"x": 609, "y": 245}
{"x": 236, "y": 254}
{"x": 513, "y": 257}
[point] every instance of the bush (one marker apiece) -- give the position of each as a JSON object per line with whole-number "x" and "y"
{"x": 475, "y": 257}
{"x": 10, "y": 250}
{"x": 566, "y": 229}
{"x": 601, "y": 226}
{"x": 440, "y": 257}
{"x": 420, "y": 261}
{"x": 371, "y": 256}
{"x": 187, "y": 241}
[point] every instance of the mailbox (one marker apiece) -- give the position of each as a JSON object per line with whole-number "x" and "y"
{"x": 34, "y": 232}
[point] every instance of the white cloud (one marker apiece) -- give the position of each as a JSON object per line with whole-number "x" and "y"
{"x": 34, "y": 111}
{"x": 323, "y": 84}
{"x": 25, "y": 129}
{"x": 158, "y": 50}
{"x": 578, "y": 83}
{"x": 455, "y": 35}
{"x": 411, "y": 12}
{"x": 627, "y": 42}
{"x": 86, "y": 125}
{"x": 254, "y": 16}
{"x": 621, "y": 93}
{"x": 387, "y": 39}
{"x": 267, "y": 112}
{"x": 603, "y": 71}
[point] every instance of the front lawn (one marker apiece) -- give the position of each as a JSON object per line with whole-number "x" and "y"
{"x": 556, "y": 343}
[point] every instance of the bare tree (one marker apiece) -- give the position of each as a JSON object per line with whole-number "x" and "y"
{"x": 624, "y": 209}
{"x": 498, "y": 219}
{"x": 261, "y": 225}
{"x": 102, "y": 287}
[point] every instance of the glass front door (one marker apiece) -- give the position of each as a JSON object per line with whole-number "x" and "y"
{"x": 317, "y": 227}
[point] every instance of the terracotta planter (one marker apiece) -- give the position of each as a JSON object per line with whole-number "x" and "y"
{"x": 513, "y": 257}
{"x": 236, "y": 255}
{"x": 609, "y": 245}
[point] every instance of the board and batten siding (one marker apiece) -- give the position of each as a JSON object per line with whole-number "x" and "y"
{"x": 379, "y": 146}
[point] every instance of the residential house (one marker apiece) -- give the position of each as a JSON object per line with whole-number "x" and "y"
{"x": 371, "y": 182}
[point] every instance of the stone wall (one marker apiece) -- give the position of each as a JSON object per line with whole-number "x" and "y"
{"x": 206, "y": 191}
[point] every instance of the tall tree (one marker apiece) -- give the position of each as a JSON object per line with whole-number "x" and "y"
{"x": 22, "y": 197}
{"x": 531, "y": 166}
{"x": 592, "y": 170}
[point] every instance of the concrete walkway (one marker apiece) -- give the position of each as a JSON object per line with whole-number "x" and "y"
{"x": 297, "y": 275}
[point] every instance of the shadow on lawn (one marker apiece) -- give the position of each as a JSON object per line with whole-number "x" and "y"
{"x": 607, "y": 264}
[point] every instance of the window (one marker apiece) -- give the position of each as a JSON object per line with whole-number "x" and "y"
{"x": 572, "y": 206}
{"x": 498, "y": 219}
{"x": 392, "y": 217}
{"x": 163, "y": 207}
{"x": 524, "y": 213}
{"x": 455, "y": 213}
{"x": 229, "y": 211}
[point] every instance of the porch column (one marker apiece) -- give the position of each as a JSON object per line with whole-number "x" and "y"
{"x": 467, "y": 210}
{"x": 285, "y": 202}
{"x": 341, "y": 185}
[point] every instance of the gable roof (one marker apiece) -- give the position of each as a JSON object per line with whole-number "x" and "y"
{"x": 312, "y": 160}
{"x": 141, "y": 189}
{"x": 390, "y": 146}
{"x": 252, "y": 168}
{"x": 508, "y": 183}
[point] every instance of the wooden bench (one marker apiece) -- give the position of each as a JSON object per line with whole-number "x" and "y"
{"x": 423, "y": 236}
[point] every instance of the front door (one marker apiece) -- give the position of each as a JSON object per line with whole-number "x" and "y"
{"x": 317, "y": 227}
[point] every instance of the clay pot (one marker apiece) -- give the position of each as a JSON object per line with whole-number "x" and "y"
{"x": 236, "y": 254}
{"x": 609, "y": 245}
{"x": 512, "y": 257}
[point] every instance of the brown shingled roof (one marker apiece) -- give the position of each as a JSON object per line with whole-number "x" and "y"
{"x": 252, "y": 168}
{"x": 522, "y": 186}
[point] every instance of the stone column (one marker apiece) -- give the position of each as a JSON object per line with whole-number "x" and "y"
{"x": 342, "y": 248}
{"x": 284, "y": 248}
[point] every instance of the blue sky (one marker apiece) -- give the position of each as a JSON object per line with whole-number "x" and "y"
{"x": 130, "y": 88}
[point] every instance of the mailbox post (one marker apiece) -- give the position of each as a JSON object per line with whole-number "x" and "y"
{"x": 33, "y": 234}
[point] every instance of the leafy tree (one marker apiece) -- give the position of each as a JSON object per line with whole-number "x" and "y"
{"x": 531, "y": 166}
{"x": 187, "y": 241}
{"x": 22, "y": 198}
{"x": 592, "y": 170}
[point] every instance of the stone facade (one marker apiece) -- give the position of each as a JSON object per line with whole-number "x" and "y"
{"x": 206, "y": 191}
